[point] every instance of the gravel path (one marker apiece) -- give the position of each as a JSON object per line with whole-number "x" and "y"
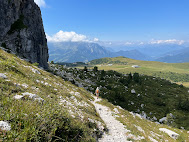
{"x": 117, "y": 131}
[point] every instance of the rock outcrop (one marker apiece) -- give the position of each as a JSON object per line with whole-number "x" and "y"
{"x": 22, "y": 31}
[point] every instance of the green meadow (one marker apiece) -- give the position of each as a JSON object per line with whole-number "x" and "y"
{"x": 175, "y": 72}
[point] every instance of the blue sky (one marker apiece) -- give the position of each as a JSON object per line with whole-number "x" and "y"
{"x": 116, "y": 20}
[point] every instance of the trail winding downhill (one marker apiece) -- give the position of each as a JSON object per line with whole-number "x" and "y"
{"x": 117, "y": 131}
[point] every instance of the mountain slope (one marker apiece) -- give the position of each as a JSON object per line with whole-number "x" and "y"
{"x": 151, "y": 50}
{"x": 76, "y": 52}
{"x": 40, "y": 106}
{"x": 133, "y": 54}
{"x": 83, "y": 52}
{"x": 180, "y": 56}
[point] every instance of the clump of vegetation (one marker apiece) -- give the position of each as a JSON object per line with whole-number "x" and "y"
{"x": 17, "y": 25}
{"x": 95, "y": 69}
{"x": 4, "y": 45}
{"x": 36, "y": 64}
{"x": 72, "y": 64}
{"x": 52, "y": 62}
{"x": 107, "y": 61}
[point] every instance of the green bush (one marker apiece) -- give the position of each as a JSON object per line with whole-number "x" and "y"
{"x": 17, "y": 25}
{"x": 4, "y": 45}
{"x": 36, "y": 64}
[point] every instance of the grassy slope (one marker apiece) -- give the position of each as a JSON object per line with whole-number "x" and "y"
{"x": 33, "y": 121}
{"x": 177, "y": 72}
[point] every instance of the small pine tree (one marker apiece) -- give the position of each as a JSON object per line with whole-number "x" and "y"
{"x": 3, "y": 45}
{"x": 136, "y": 77}
{"x": 103, "y": 73}
{"x": 85, "y": 69}
{"x": 95, "y": 69}
{"x": 129, "y": 78}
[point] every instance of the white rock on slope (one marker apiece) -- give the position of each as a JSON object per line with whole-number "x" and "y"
{"x": 35, "y": 71}
{"x": 2, "y": 75}
{"x": 133, "y": 91}
{"x": 18, "y": 97}
{"x": 30, "y": 95}
{"x": 5, "y": 126}
{"x": 169, "y": 132}
{"x": 116, "y": 110}
{"x": 163, "y": 119}
{"x": 25, "y": 85}
{"x": 152, "y": 139}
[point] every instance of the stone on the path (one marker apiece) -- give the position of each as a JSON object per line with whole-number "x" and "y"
{"x": 170, "y": 133}
{"x": 5, "y": 126}
{"x": 2, "y": 75}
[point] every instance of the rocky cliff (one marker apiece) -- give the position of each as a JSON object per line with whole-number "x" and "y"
{"x": 22, "y": 31}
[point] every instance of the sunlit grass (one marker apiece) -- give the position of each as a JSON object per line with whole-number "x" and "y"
{"x": 41, "y": 121}
{"x": 176, "y": 72}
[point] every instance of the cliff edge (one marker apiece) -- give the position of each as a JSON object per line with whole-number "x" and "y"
{"x": 22, "y": 31}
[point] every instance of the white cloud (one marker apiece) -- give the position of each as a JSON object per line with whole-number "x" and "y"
{"x": 40, "y": 3}
{"x": 95, "y": 39}
{"x": 169, "y": 41}
{"x": 128, "y": 43}
{"x": 63, "y": 36}
{"x": 141, "y": 43}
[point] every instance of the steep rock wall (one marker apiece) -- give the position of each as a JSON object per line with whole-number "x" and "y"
{"x": 21, "y": 30}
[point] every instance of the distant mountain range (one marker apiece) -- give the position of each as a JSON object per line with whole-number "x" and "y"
{"x": 76, "y": 52}
{"x": 133, "y": 54}
{"x": 179, "y": 56}
{"x": 85, "y": 51}
{"x": 151, "y": 50}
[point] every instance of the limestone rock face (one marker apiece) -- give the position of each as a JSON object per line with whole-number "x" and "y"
{"x": 21, "y": 30}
